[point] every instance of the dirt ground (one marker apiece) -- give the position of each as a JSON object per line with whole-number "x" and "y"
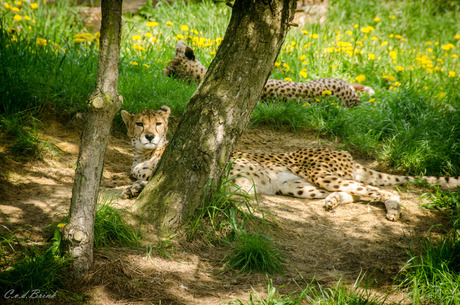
{"x": 320, "y": 245}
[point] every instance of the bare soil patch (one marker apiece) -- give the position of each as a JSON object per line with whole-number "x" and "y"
{"x": 320, "y": 245}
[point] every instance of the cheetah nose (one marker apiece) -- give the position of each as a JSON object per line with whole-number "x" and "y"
{"x": 150, "y": 136}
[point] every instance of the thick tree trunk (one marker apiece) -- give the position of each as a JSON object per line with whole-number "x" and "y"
{"x": 103, "y": 104}
{"x": 218, "y": 111}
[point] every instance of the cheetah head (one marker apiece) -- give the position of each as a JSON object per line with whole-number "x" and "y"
{"x": 147, "y": 129}
{"x": 185, "y": 65}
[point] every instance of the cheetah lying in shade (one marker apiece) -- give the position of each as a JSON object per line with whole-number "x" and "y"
{"x": 185, "y": 66}
{"x": 314, "y": 173}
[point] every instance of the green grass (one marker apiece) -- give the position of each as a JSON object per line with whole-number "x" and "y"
{"x": 111, "y": 228}
{"x": 35, "y": 270}
{"x": 432, "y": 273}
{"x": 252, "y": 252}
{"x": 225, "y": 212}
{"x": 342, "y": 294}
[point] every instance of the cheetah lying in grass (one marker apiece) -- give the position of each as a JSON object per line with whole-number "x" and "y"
{"x": 308, "y": 173}
{"x": 185, "y": 66}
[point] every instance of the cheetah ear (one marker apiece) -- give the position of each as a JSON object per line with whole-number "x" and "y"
{"x": 126, "y": 116}
{"x": 189, "y": 53}
{"x": 180, "y": 47}
{"x": 164, "y": 111}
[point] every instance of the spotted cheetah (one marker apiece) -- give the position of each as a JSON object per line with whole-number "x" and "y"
{"x": 314, "y": 173}
{"x": 185, "y": 66}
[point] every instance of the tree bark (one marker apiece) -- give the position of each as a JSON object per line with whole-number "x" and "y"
{"x": 218, "y": 111}
{"x": 103, "y": 104}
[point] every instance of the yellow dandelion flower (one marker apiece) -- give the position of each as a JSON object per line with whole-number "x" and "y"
{"x": 34, "y": 5}
{"x": 326, "y": 92}
{"x": 367, "y": 29}
{"x": 304, "y": 63}
{"x": 454, "y": 56}
{"x": 169, "y": 23}
{"x": 61, "y": 225}
{"x": 356, "y": 26}
{"x": 392, "y": 17}
{"x": 371, "y": 100}
{"x": 148, "y": 35}
{"x": 371, "y": 56}
{"x": 133, "y": 63}
{"x": 374, "y": 38}
{"x": 17, "y": 17}
{"x": 212, "y": 52}
{"x": 27, "y": 18}
{"x": 138, "y": 47}
{"x": 384, "y": 43}
{"x": 288, "y": 79}
{"x": 393, "y": 54}
{"x": 41, "y": 42}
{"x": 14, "y": 9}
{"x": 152, "y": 24}
{"x": 349, "y": 33}
{"x": 137, "y": 37}
{"x": 377, "y": 19}
{"x": 390, "y": 77}
{"x": 360, "y": 78}
{"x": 303, "y": 57}
{"x": 179, "y": 37}
{"x": 429, "y": 50}
{"x": 314, "y": 36}
{"x": 399, "y": 68}
{"x": 452, "y": 74}
{"x": 303, "y": 73}
{"x": 442, "y": 95}
{"x": 397, "y": 84}
{"x": 398, "y": 36}
{"x": 447, "y": 47}
{"x": 305, "y": 32}
{"x": 457, "y": 36}
{"x": 277, "y": 64}
{"x": 184, "y": 28}
{"x": 425, "y": 88}
{"x": 145, "y": 65}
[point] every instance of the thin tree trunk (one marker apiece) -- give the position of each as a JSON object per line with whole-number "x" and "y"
{"x": 218, "y": 111}
{"x": 103, "y": 104}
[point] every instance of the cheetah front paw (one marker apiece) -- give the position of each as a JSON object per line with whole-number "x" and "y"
{"x": 335, "y": 199}
{"x": 393, "y": 208}
{"x": 132, "y": 191}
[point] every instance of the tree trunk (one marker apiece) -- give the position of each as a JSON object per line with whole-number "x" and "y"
{"x": 103, "y": 104}
{"x": 218, "y": 111}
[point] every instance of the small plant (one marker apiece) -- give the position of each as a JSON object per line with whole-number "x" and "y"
{"x": 35, "y": 271}
{"x": 252, "y": 252}
{"x": 432, "y": 272}
{"x": 111, "y": 229}
{"x": 225, "y": 210}
{"x": 164, "y": 244}
{"x": 443, "y": 200}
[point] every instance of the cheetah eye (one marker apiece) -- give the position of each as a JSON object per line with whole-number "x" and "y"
{"x": 159, "y": 123}
{"x": 139, "y": 124}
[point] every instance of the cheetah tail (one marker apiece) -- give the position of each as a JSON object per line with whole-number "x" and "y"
{"x": 362, "y": 88}
{"x": 375, "y": 178}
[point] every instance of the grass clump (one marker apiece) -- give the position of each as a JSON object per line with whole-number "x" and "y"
{"x": 252, "y": 252}
{"x": 111, "y": 229}
{"x": 432, "y": 274}
{"x": 225, "y": 211}
{"x": 341, "y": 294}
